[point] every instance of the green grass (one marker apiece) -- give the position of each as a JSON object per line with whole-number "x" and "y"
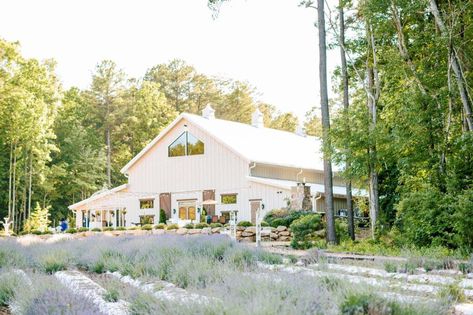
{"x": 111, "y": 295}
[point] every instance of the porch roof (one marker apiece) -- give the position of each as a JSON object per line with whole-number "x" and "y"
{"x": 314, "y": 188}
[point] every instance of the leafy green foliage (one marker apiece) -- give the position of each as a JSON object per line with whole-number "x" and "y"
{"x": 147, "y": 227}
{"x": 39, "y": 219}
{"x": 162, "y": 216}
{"x": 283, "y": 217}
{"x": 425, "y": 218}
{"x": 201, "y": 225}
{"x": 111, "y": 295}
{"x": 245, "y": 223}
{"x": 303, "y": 230}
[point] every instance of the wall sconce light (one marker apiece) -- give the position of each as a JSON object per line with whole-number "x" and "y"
{"x": 262, "y": 206}
{"x": 173, "y": 211}
{"x": 198, "y": 210}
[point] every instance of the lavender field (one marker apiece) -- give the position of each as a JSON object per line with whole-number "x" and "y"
{"x": 169, "y": 274}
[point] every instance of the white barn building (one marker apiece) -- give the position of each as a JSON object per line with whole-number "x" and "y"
{"x": 202, "y": 162}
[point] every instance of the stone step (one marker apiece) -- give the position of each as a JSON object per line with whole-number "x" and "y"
{"x": 84, "y": 286}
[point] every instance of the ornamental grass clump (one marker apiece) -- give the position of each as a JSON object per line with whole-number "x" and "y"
{"x": 366, "y": 302}
{"x": 10, "y": 282}
{"x": 147, "y": 227}
{"x": 53, "y": 261}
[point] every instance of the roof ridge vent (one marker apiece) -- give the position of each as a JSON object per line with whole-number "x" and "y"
{"x": 208, "y": 112}
{"x": 257, "y": 119}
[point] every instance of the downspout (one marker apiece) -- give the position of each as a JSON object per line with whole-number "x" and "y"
{"x": 251, "y": 167}
{"x": 297, "y": 175}
{"x": 315, "y": 202}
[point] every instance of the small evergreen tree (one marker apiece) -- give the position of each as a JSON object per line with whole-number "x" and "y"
{"x": 39, "y": 219}
{"x": 162, "y": 216}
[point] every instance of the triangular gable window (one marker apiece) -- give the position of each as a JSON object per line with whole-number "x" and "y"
{"x": 186, "y": 144}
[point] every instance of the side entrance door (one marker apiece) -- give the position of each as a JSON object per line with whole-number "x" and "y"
{"x": 255, "y": 205}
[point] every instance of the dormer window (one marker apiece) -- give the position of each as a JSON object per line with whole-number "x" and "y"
{"x": 186, "y": 144}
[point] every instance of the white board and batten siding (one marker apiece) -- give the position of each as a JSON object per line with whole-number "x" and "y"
{"x": 186, "y": 177}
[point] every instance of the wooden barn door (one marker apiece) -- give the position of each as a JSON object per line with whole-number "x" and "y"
{"x": 254, "y": 206}
{"x": 165, "y": 204}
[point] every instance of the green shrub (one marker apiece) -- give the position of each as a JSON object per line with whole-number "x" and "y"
{"x": 160, "y": 226}
{"x": 47, "y": 232}
{"x": 303, "y": 230}
{"x": 108, "y": 229}
{"x": 83, "y": 229}
{"x": 162, "y": 216}
{"x": 147, "y": 227}
{"x": 244, "y": 223}
{"x": 172, "y": 227}
{"x": 36, "y": 232}
{"x": 465, "y": 267}
{"x": 54, "y": 261}
{"x": 9, "y": 283}
{"x": 96, "y": 230}
{"x": 363, "y": 303}
{"x": 264, "y": 223}
{"x": 201, "y": 225}
{"x": 133, "y": 228}
{"x": 111, "y": 295}
{"x": 97, "y": 266}
{"x": 216, "y": 225}
{"x": 283, "y": 217}
{"x": 189, "y": 226}
{"x": 463, "y": 220}
{"x": 424, "y": 218}
{"x": 71, "y": 231}
{"x": 320, "y": 244}
{"x": 341, "y": 228}
{"x": 453, "y": 293}
{"x": 275, "y": 214}
{"x": 390, "y": 267}
{"x": 120, "y": 228}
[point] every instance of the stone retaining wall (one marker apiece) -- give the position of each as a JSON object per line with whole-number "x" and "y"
{"x": 244, "y": 234}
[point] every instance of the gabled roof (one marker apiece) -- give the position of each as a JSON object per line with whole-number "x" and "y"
{"x": 98, "y": 195}
{"x": 260, "y": 145}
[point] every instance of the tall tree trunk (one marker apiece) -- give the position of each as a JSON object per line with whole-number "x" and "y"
{"x": 346, "y": 103}
{"x": 373, "y": 87}
{"x": 30, "y": 184}
{"x": 13, "y": 208}
{"x": 109, "y": 159}
{"x": 462, "y": 87}
{"x": 10, "y": 173}
{"x": 331, "y": 236}
{"x": 24, "y": 201}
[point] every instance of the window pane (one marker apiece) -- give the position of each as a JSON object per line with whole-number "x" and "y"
{"x": 194, "y": 145}
{"x": 178, "y": 147}
{"x": 191, "y": 213}
{"x": 228, "y": 199}
{"x": 147, "y": 204}
{"x": 183, "y": 213}
{"x": 146, "y": 219}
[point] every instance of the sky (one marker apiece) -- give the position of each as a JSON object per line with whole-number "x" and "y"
{"x": 272, "y": 44}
